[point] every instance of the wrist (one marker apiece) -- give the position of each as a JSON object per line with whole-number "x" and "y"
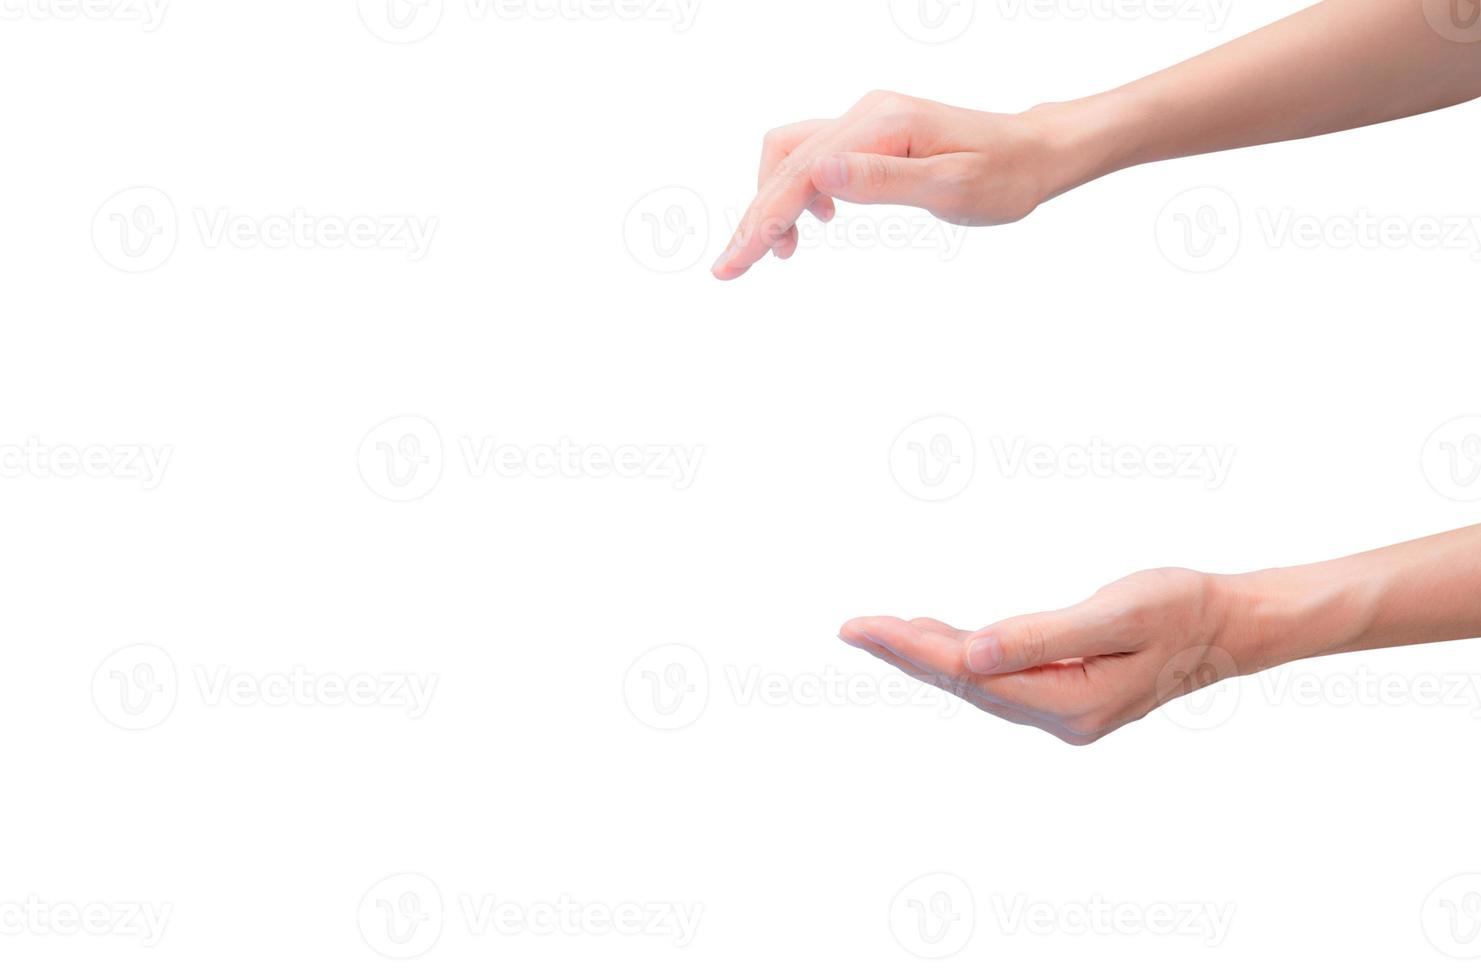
{"x": 1085, "y": 139}
{"x": 1279, "y": 615}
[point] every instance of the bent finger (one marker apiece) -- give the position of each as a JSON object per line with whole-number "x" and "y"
{"x": 951, "y": 685}
{"x": 779, "y": 144}
{"x": 1047, "y": 695}
{"x": 779, "y": 203}
{"x": 877, "y": 178}
{"x": 1090, "y": 629}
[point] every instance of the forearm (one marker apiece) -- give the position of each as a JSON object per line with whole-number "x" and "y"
{"x": 1338, "y": 65}
{"x": 1424, "y": 591}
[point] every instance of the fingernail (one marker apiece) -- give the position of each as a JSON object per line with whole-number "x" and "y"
{"x": 724, "y": 260}
{"x": 834, "y": 173}
{"x": 984, "y": 655}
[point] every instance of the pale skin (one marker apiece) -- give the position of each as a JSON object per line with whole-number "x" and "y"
{"x": 1338, "y": 65}
{"x": 1085, "y": 671}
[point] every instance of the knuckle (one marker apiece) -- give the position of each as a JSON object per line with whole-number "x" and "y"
{"x": 771, "y": 230}
{"x": 878, "y": 173}
{"x": 886, "y": 101}
{"x": 1031, "y": 644}
{"x": 1128, "y": 606}
{"x": 1138, "y": 605}
{"x": 789, "y": 168}
{"x": 1131, "y": 622}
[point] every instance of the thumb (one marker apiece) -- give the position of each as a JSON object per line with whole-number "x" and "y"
{"x": 870, "y": 178}
{"x": 1090, "y": 629}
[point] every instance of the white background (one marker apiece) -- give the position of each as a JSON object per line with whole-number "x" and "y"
{"x": 797, "y": 817}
